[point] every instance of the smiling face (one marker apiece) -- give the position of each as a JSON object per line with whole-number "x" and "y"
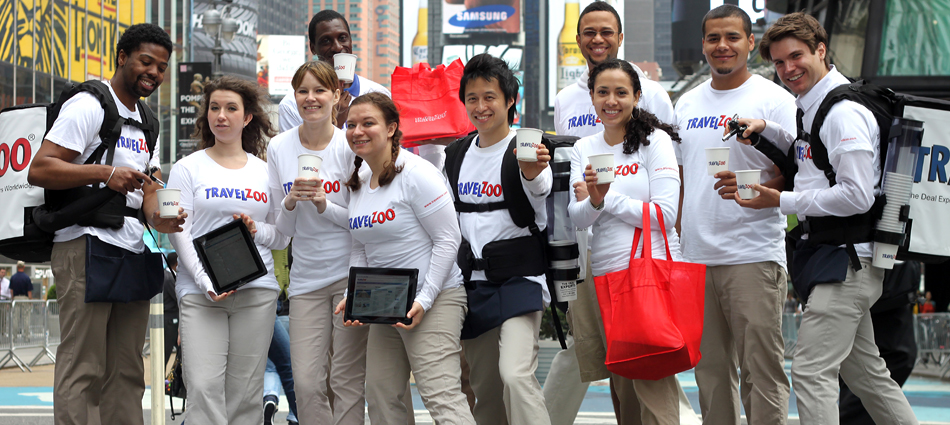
{"x": 332, "y": 37}
{"x": 226, "y": 116}
{"x": 368, "y": 134}
{"x": 599, "y": 38}
{"x": 143, "y": 70}
{"x": 614, "y": 97}
{"x": 487, "y": 108}
{"x": 726, "y": 45}
{"x": 314, "y": 100}
{"x": 796, "y": 65}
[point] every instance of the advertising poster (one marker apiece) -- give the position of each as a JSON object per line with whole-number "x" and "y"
{"x": 192, "y": 77}
{"x": 278, "y": 57}
{"x": 481, "y": 16}
{"x": 930, "y": 202}
{"x": 565, "y": 62}
{"x": 66, "y": 37}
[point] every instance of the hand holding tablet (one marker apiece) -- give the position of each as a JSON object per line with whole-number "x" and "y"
{"x": 381, "y": 296}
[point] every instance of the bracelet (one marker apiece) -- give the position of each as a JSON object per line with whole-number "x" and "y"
{"x": 110, "y": 176}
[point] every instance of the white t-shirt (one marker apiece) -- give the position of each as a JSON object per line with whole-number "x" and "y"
{"x": 574, "y": 113}
{"x": 77, "y": 129}
{"x": 5, "y": 292}
{"x": 210, "y": 194}
{"x": 648, "y": 175}
{"x": 850, "y": 134}
{"x": 480, "y": 183}
{"x": 386, "y": 228}
{"x": 321, "y": 242}
{"x": 289, "y": 116}
{"x": 716, "y": 231}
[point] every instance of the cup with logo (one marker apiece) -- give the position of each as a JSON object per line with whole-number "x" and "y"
{"x": 603, "y": 166}
{"x": 528, "y": 142}
{"x": 345, "y": 66}
{"x": 168, "y": 200}
{"x": 717, "y": 159}
{"x": 745, "y": 179}
{"x": 884, "y": 255}
{"x": 308, "y": 165}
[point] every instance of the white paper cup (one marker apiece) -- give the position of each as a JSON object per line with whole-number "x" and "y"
{"x": 745, "y": 179}
{"x": 529, "y": 140}
{"x": 308, "y": 165}
{"x": 566, "y": 290}
{"x": 717, "y": 159}
{"x": 168, "y": 202}
{"x": 603, "y": 165}
{"x": 884, "y": 255}
{"x": 345, "y": 66}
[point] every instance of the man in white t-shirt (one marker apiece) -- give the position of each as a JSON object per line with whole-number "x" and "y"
{"x": 599, "y": 37}
{"x": 837, "y": 280}
{"x": 329, "y": 34}
{"x": 4, "y": 286}
{"x": 743, "y": 249}
{"x": 99, "y": 370}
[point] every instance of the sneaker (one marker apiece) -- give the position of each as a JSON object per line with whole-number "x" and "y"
{"x": 270, "y": 410}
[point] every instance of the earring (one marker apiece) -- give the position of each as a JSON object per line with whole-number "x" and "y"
{"x": 636, "y": 113}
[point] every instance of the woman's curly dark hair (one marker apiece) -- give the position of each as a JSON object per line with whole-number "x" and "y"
{"x": 256, "y": 132}
{"x": 642, "y": 123}
{"x": 390, "y": 115}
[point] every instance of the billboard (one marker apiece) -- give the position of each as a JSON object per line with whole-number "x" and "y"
{"x": 481, "y": 16}
{"x": 240, "y": 54}
{"x": 192, "y": 77}
{"x": 278, "y": 57}
{"x": 75, "y": 42}
{"x": 565, "y": 62}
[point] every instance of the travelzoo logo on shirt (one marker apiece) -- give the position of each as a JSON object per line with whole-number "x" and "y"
{"x": 583, "y": 121}
{"x": 479, "y": 189}
{"x": 133, "y": 145}
{"x": 708, "y": 122}
{"x": 234, "y": 193}
{"x": 368, "y": 220}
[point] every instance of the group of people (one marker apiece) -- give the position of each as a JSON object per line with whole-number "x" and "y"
{"x": 474, "y": 310}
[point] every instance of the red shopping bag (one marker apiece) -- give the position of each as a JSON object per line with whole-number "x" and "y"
{"x": 652, "y": 311}
{"x": 428, "y": 102}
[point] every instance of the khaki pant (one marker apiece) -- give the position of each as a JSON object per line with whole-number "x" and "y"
{"x": 503, "y": 361}
{"x": 314, "y": 330}
{"x": 635, "y": 401}
{"x": 99, "y": 376}
{"x": 431, "y": 352}
{"x": 224, "y": 351}
{"x": 742, "y": 329}
{"x": 836, "y": 337}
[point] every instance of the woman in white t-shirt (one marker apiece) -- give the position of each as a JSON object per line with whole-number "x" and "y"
{"x": 645, "y": 171}
{"x": 401, "y": 215}
{"x": 313, "y": 212}
{"x": 226, "y": 335}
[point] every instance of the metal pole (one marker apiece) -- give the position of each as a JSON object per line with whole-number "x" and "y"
{"x": 15, "y": 51}
{"x": 173, "y": 98}
{"x": 33, "y": 53}
{"x": 156, "y": 326}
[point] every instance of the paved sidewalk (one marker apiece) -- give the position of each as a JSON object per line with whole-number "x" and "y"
{"x": 27, "y": 398}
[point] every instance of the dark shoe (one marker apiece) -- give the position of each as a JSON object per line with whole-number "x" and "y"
{"x": 270, "y": 410}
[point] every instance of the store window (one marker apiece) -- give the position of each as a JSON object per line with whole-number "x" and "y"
{"x": 915, "y": 40}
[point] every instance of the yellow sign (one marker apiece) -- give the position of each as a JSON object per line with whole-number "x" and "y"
{"x": 77, "y": 37}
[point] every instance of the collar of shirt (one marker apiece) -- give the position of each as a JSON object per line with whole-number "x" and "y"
{"x": 354, "y": 89}
{"x": 814, "y": 96}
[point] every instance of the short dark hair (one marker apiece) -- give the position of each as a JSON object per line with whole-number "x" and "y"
{"x": 600, "y": 6}
{"x": 137, "y": 34}
{"x": 324, "y": 16}
{"x": 172, "y": 259}
{"x": 729, "y": 11}
{"x": 490, "y": 68}
{"x": 799, "y": 25}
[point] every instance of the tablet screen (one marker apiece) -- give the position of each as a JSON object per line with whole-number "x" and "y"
{"x": 380, "y": 295}
{"x": 228, "y": 256}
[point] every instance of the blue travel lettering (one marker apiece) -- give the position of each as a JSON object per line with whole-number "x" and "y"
{"x": 287, "y": 187}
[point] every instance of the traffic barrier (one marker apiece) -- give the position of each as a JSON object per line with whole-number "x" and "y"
{"x": 50, "y": 332}
{"x": 26, "y": 325}
{"x": 790, "y": 324}
{"x": 932, "y": 331}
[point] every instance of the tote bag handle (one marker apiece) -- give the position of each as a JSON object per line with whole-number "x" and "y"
{"x": 647, "y": 240}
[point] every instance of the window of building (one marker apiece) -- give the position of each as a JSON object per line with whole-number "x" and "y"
{"x": 915, "y": 40}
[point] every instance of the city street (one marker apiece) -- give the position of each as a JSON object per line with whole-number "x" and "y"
{"x": 27, "y": 398}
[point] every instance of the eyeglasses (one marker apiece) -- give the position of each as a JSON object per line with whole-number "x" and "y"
{"x": 605, "y": 34}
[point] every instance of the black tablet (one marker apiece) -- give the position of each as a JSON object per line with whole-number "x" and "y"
{"x": 380, "y": 295}
{"x": 230, "y": 257}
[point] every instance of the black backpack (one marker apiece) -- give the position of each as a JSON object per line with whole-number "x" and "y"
{"x": 84, "y": 205}
{"x": 516, "y": 201}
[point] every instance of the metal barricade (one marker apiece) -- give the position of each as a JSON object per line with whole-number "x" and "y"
{"x": 51, "y": 332}
{"x": 27, "y": 327}
{"x": 6, "y": 335}
{"x": 932, "y": 331}
{"x": 790, "y": 324}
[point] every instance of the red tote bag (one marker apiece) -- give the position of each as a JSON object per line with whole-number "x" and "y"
{"x": 428, "y": 102}
{"x": 652, "y": 311}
